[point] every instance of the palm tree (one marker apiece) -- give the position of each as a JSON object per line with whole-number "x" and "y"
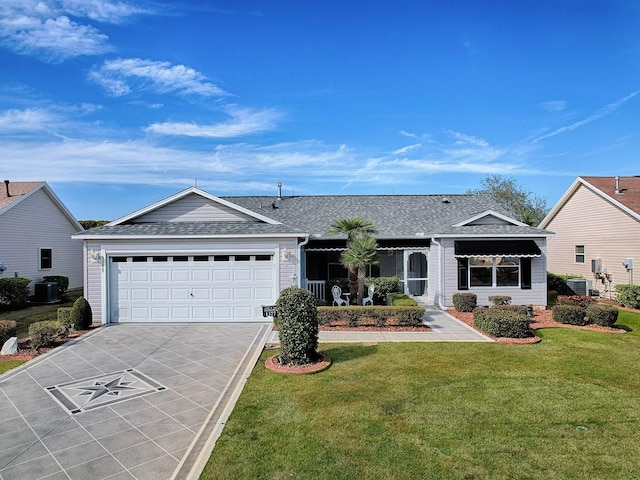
{"x": 352, "y": 228}
{"x": 362, "y": 251}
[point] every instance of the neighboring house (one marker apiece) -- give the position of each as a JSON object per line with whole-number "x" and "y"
{"x": 35, "y": 234}
{"x": 597, "y": 232}
{"x": 198, "y": 257}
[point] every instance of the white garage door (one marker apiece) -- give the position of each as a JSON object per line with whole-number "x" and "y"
{"x": 190, "y": 288}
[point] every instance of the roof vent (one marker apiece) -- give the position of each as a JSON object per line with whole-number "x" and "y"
{"x": 446, "y": 200}
{"x": 279, "y": 190}
{"x": 618, "y": 185}
{"x": 6, "y": 185}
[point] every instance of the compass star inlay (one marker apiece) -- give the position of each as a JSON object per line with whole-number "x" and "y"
{"x": 112, "y": 387}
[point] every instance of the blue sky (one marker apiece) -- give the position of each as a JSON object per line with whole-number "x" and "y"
{"x": 118, "y": 104}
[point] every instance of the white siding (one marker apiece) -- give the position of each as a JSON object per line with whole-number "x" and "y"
{"x": 490, "y": 220}
{"x": 97, "y": 275}
{"x": 605, "y": 231}
{"x": 537, "y": 295}
{"x": 194, "y": 208}
{"x": 36, "y": 222}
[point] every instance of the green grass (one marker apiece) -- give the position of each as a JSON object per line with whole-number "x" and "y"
{"x": 36, "y": 313}
{"x": 561, "y": 409}
{"x": 8, "y": 365}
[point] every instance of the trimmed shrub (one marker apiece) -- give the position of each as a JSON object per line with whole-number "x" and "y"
{"x": 61, "y": 280}
{"x": 43, "y": 334}
{"x": 578, "y": 300}
{"x": 519, "y": 309}
{"x": 569, "y": 314}
{"x": 298, "y": 319}
{"x": 500, "y": 299}
{"x": 8, "y": 329}
{"x": 604, "y": 315}
{"x": 465, "y": 302}
{"x": 628, "y": 295}
{"x": 81, "y": 315}
{"x": 371, "y": 315}
{"x": 14, "y": 292}
{"x": 64, "y": 319}
{"x": 384, "y": 286}
{"x": 502, "y": 323}
{"x": 400, "y": 300}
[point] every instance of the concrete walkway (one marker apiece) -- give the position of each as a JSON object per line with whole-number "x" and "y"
{"x": 445, "y": 328}
{"x": 125, "y": 402}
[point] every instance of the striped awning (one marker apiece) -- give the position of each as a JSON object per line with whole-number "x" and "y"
{"x": 496, "y": 248}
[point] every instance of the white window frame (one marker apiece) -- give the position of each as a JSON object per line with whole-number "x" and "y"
{"x": 577, "y": 253}
{"x": 494, "y": 269}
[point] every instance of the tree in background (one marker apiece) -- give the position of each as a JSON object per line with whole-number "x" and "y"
{"x": 87, "y": 224}
{"x": 524, "y": 205}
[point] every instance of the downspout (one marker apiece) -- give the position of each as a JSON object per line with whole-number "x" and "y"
{"x": 300, "y": 245}
{"x": 440, "y": 294}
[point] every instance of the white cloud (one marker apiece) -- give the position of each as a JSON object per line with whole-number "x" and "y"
{"x": 606, "y": 110}
{"x": 27, "y": 120}
{"x": 554, "y": 105}
{"x": 408, "y": 148}
{"x": 119, "y": 77}
{"x": 243, "y": 121}
{"x": 57, "y": 30}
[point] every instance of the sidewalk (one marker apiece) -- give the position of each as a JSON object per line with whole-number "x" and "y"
{"x": 445, "y": 328}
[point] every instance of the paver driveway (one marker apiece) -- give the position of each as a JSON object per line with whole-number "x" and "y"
{"x": 124, "y": 402}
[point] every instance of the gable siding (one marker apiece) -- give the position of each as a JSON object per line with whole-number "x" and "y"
{"x": 34, "y": 223}
{"x": 537, "y": 295}
{"x": 489, "y": 220}
{"x": 194, "y": 208}
{"x": 606, "y": 232}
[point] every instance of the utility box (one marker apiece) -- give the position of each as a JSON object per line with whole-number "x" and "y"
{"x": 46, "y": 292}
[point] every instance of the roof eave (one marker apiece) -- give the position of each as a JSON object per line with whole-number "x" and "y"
{"x": 189, "y": 236}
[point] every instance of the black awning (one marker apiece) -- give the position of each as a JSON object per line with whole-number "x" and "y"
{"x": 496, "y": 248}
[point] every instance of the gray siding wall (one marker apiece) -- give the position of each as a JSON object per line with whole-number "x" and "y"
{"x": 34, "y": 223}
{"x": 96, "y": 276}
{"x": 605, "y": 231}
{"x": 194, "y": 208}
{"x": 537, "y": 295}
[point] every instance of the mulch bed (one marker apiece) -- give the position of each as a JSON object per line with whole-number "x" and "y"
{"x": 541, "y": 319}
{"x": 26, "y": 352}
{"x": 323, "y": 363}
{"x": 341, "y": 326}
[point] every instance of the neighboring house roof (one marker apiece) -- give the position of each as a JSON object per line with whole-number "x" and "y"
{"x": 627, "y": 198}
{"x": 20, "y": 191}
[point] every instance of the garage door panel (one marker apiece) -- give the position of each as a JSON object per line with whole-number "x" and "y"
{"x": 191, "y": 290}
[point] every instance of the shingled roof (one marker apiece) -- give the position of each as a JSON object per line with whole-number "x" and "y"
{"x": 395, "y": 216}
{"x": 17, "y": 190}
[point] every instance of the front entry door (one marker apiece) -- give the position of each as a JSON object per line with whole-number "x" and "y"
{"x": 416, "y": 273}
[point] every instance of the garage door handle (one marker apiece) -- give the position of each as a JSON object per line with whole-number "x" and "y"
{"x": 191, "y": 294}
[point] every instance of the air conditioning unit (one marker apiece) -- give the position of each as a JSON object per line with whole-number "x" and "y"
{"x": 580, "y": 286}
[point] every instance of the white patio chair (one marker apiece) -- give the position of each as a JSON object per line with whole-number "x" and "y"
{"x": 369, "y": 299}
{"x": 336, "y": 292}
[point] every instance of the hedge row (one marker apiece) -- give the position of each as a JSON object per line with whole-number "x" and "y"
{"x": 14, "y": 292}
{"x": 501, "y": 322}
{"x": 628, "y": 295}
{"x": 604, "y": 315}
{"x": 377, "y": 315}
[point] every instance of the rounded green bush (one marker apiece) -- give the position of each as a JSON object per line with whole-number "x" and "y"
{"x": 81, "y": 315}
{"x": 298, "y": 324}
{"x": 502, "y": 323}
{"x": 569, "y": 314}
{"x": 579, "y": 300}
{"x": 43, "y": 334}
{"x": 604, "y": 315}
{"x": 465, "y": 302}
{"x": 628, "y": 295}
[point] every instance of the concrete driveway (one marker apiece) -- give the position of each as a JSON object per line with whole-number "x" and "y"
{"x": 125, "y": 402}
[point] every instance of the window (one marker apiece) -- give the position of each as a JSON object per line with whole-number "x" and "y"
{"x": 579, "y": 253}
{"x": 263, "y": 258}
{"x": 180, "y": 258}
{"x": 119, "y": 259}
{"x": 160, "y": 259}
{"x": 243, "y": 258}
{"x": 46, "y": 259}
{"x": 201, "y": 258}
{"x": 493, "y": 272}
{"x": 221, "y": 258}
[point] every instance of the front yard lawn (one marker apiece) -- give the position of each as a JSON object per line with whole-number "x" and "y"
{"x": 562, "y": 409}
{"x": 5, "y": 366}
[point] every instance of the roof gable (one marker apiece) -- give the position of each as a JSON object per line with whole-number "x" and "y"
{"x": 193, "y": 205}
{"x": 489, "y": 217}
{"x": 21, "y": 191}
{"x": 627, "y": 199}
